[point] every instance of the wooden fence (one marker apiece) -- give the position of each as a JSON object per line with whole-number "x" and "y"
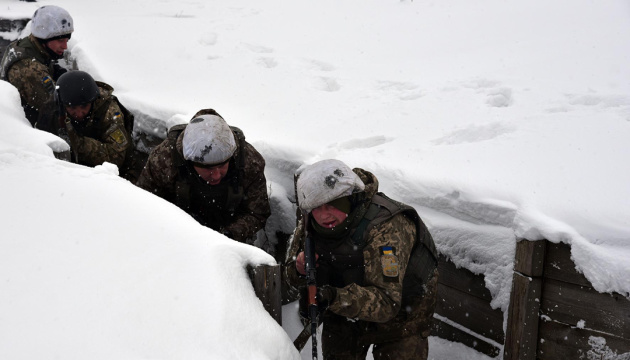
{"x": 463, "y": 311}
{"x": 555, "y": 313}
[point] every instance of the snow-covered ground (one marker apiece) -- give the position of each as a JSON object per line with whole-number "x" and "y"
{"x": 496, "y": 120}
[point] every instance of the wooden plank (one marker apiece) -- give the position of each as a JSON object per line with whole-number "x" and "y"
{"x": 570, "y": 304}
{"x": 561, "y": 341}
{"x": 522, "y": 328}
{"x": 470, "y": 312}
{"x": 559, "y": 266}
{"x": 462, "y": 279}
{"x": 530, "y": 257}
{"x": 445, "y": 331}
{"x": 266, "y": 282}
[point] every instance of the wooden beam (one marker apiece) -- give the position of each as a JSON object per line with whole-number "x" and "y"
{"x": 462, "y": 279}
{"x": 522, "y": 328}
{"x": 470, "y": 312}
{"x": 574, "y": 304}
{"x": 559, "y": 265}
{"x": 266, "y": 282}
{"x": 530, "y": 257}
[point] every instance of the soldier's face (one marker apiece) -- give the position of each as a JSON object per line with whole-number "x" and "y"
{"x": 58, "y": 46}
{"x": 78, "y": 112}
{"x": 328, "y": 216}
{"x": 214, "y": 174}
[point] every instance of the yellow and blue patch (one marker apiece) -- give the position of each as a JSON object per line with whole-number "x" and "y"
{"x": 389, "y": 262}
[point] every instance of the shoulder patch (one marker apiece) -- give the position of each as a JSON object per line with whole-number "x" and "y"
{"x": 48, "y": 84}
{"x": 389, "y": 262}
{"x": 117, "y": 115}
{"x": 118, "y": 136}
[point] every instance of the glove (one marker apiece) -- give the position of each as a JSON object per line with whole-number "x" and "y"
{"x": 325, "y": 296}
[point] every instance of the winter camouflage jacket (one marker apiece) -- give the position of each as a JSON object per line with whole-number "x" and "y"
{"x": 238, "y": 206}
{"x": 368, "y": 290}
{"x": 29, "y": 67}
{"x": 102, "y": 136}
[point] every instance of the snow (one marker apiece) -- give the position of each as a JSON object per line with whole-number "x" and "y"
{"x": 496, "y": 120}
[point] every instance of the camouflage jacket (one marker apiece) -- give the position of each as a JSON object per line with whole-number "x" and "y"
{"x": 369, "y": 290}
{"x": 102, "y": 136}
{"x": 169, "y": 176}
{"x": 27, "y": 65}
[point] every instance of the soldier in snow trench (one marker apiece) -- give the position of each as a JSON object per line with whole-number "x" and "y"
{"x": 376, "y": 267}
{"x": 30, "y": 64}
{"x": 208, "y": 169}
{"x": 96, "y": 125}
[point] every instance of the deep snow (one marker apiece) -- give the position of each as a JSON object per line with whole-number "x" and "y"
{"x": 495, "y": 120}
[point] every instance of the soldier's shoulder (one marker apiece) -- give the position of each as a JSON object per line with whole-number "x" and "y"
{"x": 254, "y": 161}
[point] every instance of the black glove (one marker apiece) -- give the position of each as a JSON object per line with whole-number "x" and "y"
{"x": 325, "y": 296}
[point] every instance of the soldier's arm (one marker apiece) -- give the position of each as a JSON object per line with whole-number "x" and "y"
{"x": 254, "y": 210}
{"x": 291, "y": 279}
{"x": 112, "y": 145}
{"x": 158, "y": 175}
{"x": 36, "y": 87}
{"x": 379, "y": 299}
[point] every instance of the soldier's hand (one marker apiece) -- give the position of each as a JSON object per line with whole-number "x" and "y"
{"x": 325, "y": 296}
{"x": 300, "y": 263}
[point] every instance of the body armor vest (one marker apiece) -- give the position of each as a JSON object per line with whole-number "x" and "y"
{"x": 342, "y": 263}
{"x": 212, "y": 206}
{"x": 19, "y": 50}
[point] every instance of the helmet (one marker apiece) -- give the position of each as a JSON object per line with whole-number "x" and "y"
{"x": 76, "y": 88}
{"x": 325, "y": 181}
{"x": 51, "y": 22}
{"x": 209, "y": 140}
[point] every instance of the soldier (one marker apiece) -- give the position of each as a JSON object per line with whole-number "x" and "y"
{"x": 208, "y": 169}
{"x": 376, "y": 265}
{"x": 96, "y": 125}
{"x": 30, "y": 63}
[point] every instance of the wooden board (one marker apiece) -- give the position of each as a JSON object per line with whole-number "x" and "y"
{"x": 559, "y": 266}
{"x": 530, "y": 257}
{"x": 570, "y": 304}
{"x": 470, "y": 312}
{"x": 522, "y": 327}
{"x": 560, "y": 341}
{"x": 451, "y": 333}
{"x": 266, "y": 282}
{"x": 462, "y": 279}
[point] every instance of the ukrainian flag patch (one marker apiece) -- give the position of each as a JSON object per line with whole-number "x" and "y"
{"x": 389, "y": 262}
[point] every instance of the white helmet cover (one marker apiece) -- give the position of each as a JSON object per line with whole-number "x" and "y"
{"x": 51, "y": 21}
{"x": 325, "y": 181}
{"x": 209, "y": 140}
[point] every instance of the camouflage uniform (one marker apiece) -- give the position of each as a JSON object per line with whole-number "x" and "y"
{"x": 102, "y": 136}
{"x": 30, "y": 68}
{"x": 388, "y": 307}
{"x": 238, "y": 206}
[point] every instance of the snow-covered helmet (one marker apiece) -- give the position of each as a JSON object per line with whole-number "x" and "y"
{"x": 208, "y": 140}
{"x": 50, "y": 22}
{"x": 76, "y": 88}
{"x": 325, "y": 181}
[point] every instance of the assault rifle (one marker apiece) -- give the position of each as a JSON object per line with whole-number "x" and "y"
{"x": 310, "y": 328}
{"x": 311, "y": 289}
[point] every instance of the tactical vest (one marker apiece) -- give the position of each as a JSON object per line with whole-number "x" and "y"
{"x": 191, "y": 191}
{"x": 344, "y": 260}
{"x": 100, "y": 112}
{"x": 19, "y": 50}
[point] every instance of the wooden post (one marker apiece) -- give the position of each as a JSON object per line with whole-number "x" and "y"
{"x": 521, "y": 338}
{"x": 266, "y": 282}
